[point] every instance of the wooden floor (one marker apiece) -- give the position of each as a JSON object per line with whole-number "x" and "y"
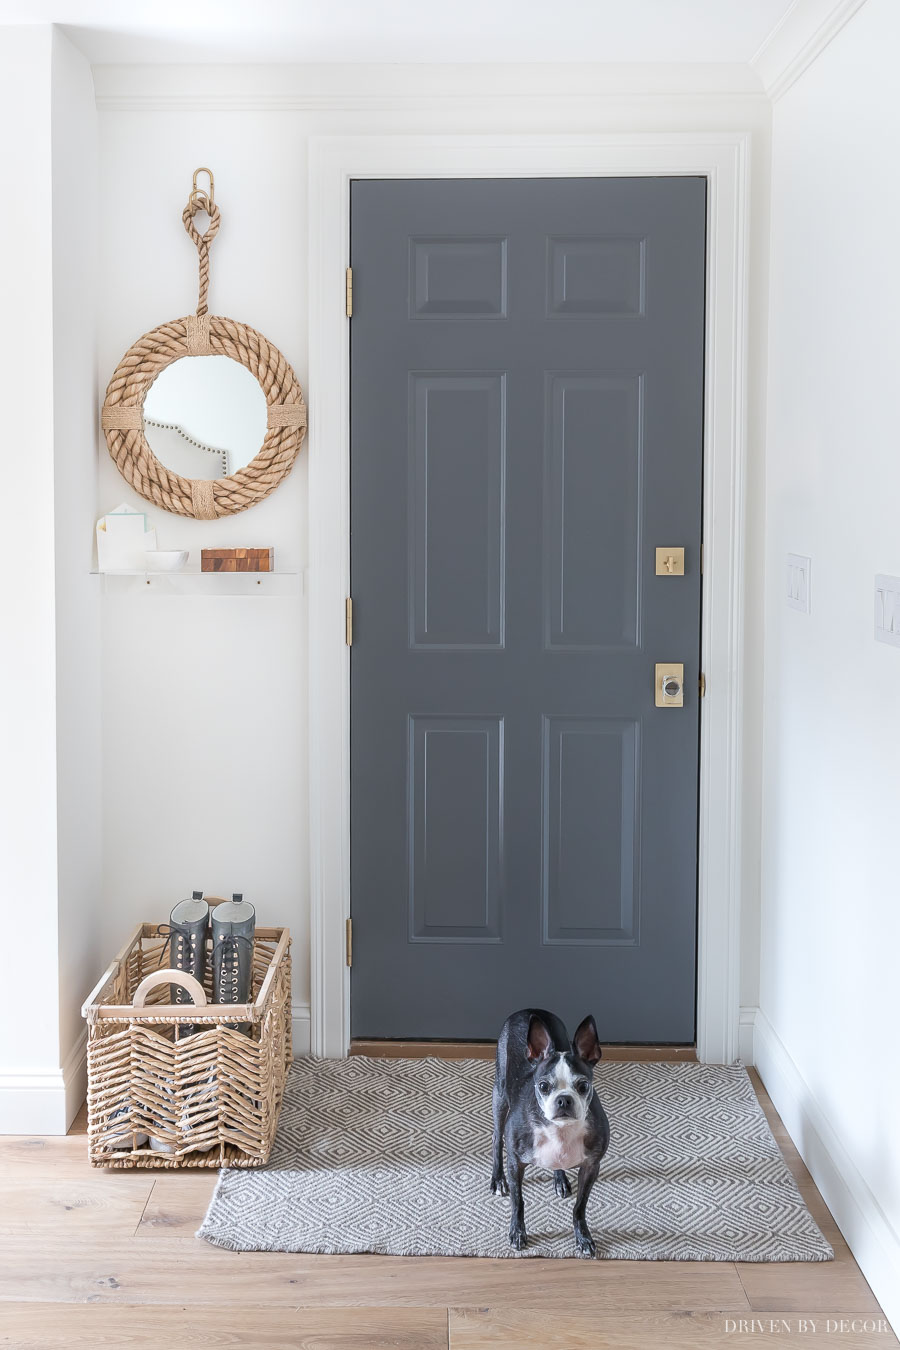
{"x": 109, "y": 1259}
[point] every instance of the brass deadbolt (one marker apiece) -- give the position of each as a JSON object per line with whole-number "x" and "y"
{"x": 670, "y": 562}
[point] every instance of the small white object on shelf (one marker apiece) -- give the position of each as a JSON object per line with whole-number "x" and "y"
{"x": 123, "y": 540}
{"x": 166, "y": 559}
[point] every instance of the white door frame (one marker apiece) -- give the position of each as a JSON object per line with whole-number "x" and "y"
{"x": 722, "y": 158}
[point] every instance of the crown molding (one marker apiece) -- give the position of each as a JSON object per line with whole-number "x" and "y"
{"x": 335, "y": 89}
{"x": 795, "y": 43}
{"x": 804, "y": 32}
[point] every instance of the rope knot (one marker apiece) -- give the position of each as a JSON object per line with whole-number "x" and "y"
{"x": 201, "y": 201}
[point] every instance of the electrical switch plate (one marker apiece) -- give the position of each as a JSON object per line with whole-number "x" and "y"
{"x": 887, "y": 609}
{"x": 798, "y": 582}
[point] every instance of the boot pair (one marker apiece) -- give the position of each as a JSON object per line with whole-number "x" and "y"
{"x": 232, "y": 924}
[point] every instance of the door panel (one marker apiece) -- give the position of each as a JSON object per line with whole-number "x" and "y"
{"x": 457, "y": 454}
{"x": 457, "y": 278}
{"x": 596, "y": 276}
{"x": 592, "y": 500}
{"x": 591, "y": 773}
{"x": 526, "y": 429}
{"x": 455, "y": 777}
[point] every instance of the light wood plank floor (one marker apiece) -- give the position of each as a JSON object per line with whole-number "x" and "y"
{"x": 96, "y": 1259}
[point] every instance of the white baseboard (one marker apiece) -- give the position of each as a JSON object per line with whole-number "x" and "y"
{"x": 869, "y": 1234}
{"x": 746, "y": 1023}
{"x": 32, "y": 1103}
{"x": 44, "y": 1103}
{"x": 300, "y": 1029}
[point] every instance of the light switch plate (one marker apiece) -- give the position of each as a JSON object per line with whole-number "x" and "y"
{"x": 887, "y": 609}
{"x": 797, "y": 592}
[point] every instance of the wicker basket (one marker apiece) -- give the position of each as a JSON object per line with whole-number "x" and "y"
{"x": 210, "y": 1099}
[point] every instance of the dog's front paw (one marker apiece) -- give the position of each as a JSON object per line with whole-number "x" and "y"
{"x": 499, "y": 1185}
{"x": 584, "y": 1243}
{"x": 517, "y": 1235}
{"x": 561, "y": 1184}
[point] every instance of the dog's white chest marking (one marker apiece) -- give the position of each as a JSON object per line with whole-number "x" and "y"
{"x": 559, "y": 1146}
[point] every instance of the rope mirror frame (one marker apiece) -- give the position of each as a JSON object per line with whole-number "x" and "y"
{"x": 202, "y": 334}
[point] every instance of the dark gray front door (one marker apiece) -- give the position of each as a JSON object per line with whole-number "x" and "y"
{"x": 526, "y": 430}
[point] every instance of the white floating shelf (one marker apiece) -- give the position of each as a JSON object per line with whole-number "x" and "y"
{"x": 273, "y": 585}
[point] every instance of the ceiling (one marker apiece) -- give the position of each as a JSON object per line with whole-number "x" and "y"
{"x": 420, "y": 31}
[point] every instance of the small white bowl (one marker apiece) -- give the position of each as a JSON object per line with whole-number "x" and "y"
{"x": 166, "y": 559}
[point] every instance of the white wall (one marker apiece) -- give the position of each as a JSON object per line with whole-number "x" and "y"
{"x": 830, "y": 930}
{"x": 81, "y": 923}
{"x": 27, "y": 609}
{"x": 49, "y": 615}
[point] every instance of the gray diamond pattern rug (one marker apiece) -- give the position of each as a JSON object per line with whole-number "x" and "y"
{"x": 393, "y": 1156}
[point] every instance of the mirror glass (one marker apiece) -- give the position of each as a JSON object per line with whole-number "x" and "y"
{"x": 205, "y": 416}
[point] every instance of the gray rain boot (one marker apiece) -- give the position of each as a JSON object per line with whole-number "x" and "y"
{"x": 233, "y": 925}
{"x": 189, "y": 928}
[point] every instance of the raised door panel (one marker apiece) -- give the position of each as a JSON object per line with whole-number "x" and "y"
{"x": 591, "y": 827}
{"x": 457, "y": 278}
{"x": 455, "y": 779}
{"x": 593, "y": 488}
{"x": 590, "y": 277}
{"x": 456, "y": 510}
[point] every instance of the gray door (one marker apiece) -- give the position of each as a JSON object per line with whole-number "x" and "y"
{"x": 526, "y": 430}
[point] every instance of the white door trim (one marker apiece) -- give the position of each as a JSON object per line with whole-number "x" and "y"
{"x": 723, "y": 158}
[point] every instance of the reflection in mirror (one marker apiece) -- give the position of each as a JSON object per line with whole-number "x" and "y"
{"x": 205, "y": 416}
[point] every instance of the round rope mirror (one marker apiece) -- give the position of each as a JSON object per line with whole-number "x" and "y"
{"x": 202, "y": 334}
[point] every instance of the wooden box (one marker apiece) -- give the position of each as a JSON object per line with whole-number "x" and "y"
{"x": 237, "y": 560}
{"x": 207, "y": 1099}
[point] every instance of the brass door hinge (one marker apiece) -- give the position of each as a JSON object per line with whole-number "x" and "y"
{"x": 349, "y": 932}
{"x": 702, "y": 683}
{"x": 348, "y": 621}
{"x": 349, "y": 292}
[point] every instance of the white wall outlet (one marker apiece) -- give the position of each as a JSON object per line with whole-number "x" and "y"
{"x": 797, "y": 592}
{"x": 887, "y": 609}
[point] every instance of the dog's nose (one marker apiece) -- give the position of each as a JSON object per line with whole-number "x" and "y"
{"x": 563, "y": 1103}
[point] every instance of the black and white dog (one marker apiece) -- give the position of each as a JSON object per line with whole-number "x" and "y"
{"x": 546, "y": 1113}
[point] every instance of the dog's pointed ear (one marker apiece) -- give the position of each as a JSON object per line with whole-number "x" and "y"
{"x": 586, "y": 1042}
{"x": 538, "y": 1043}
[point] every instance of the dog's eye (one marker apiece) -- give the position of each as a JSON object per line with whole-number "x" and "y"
{"x": 581, "y": 1085}
{"x": 544, "y": 1087}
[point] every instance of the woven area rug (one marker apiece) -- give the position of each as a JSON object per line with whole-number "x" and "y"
{"x": 393, "y": 1156}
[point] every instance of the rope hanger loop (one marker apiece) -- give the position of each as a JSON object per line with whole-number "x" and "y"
{"x": 201, "y": 200}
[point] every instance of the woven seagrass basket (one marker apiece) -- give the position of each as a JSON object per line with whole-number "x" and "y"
{"x": 158, "y": 1097}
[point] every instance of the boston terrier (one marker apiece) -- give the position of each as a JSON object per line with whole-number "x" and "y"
{"x": 546, "y": 1112}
